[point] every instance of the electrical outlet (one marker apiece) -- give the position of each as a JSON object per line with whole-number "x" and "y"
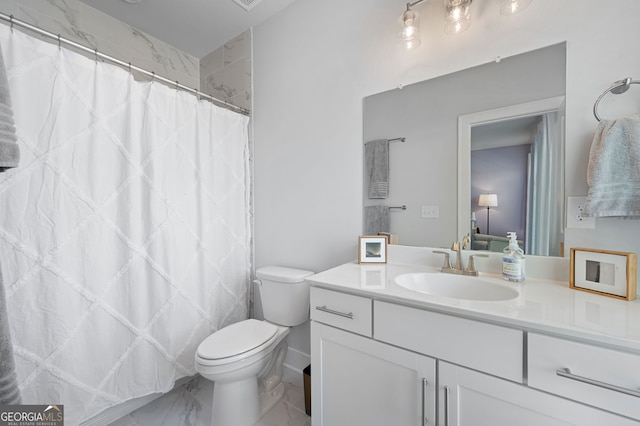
{"x": 575, "y": 214}
{"x": 430, "y": 212}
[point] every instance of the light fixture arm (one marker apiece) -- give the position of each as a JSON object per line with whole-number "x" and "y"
{"x": 415, "y": 3}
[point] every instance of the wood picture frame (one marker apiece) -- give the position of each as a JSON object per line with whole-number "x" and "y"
{"x": 372, "y": 249}
{"x": 604, "y": 272}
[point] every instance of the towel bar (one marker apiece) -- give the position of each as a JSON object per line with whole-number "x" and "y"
{"x": 616, "y": 88}
{"x": 398, "y": 207}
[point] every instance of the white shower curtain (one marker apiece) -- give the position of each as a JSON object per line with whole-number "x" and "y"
{"x": 124, "y": 233}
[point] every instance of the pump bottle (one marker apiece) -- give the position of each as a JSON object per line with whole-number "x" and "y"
{"x": 513, "y": 260}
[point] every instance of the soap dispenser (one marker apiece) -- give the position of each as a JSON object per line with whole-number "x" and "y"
{"x": 513, "y": 260}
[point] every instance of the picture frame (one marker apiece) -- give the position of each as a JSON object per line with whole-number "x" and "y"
{"x": 372, "y": 249}
{"x": 604, "y": 272}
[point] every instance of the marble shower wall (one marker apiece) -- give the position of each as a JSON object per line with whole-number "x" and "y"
{"x": 226, "y": 72}
{"x": 83, "y": 24}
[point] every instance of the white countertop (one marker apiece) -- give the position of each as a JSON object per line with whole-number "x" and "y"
{"x": 543, "y": 305}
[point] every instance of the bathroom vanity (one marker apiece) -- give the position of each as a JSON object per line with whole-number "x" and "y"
{"x": 383, "y": 354}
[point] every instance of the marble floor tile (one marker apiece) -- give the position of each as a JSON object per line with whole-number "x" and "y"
{"x": 190, "y": 405}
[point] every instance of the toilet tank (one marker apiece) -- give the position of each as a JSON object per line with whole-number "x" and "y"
{"x": 284, "y": 294}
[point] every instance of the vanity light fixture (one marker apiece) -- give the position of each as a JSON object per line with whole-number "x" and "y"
{"x": 457, "y": 18}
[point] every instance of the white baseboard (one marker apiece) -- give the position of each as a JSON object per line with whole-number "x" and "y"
{"x": 296, "y": 360}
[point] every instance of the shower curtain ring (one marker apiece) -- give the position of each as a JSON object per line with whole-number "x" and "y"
{"x": 96, "y": 52}
{"x": 11, "y": 22}
{"x": 59, "y": 41}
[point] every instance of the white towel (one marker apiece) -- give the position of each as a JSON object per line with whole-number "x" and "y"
{"x": 614, "y": 169}
{"x": 9, "y": 149}
{"x": 9, "y": 391}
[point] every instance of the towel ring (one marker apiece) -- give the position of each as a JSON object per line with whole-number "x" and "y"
{"x": 616, "y": 88}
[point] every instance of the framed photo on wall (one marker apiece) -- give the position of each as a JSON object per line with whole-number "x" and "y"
{"x": 609, "y": 273}
{"x": 372, "y": 249}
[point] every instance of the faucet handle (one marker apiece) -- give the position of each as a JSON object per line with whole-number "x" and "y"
{"x": 447, "y": 263}
{"x": 456, "y": 247}
{"x": 465, "y": 242}
{"x": 471, "y": 266}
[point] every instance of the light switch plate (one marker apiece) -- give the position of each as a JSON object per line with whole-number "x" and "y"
{"x": 430, "y": 212}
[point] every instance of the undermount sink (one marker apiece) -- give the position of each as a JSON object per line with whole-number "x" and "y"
{"x": 455, "y": 286}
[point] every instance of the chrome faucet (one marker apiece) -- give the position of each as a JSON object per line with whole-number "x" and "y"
{"x": 458, "y": 268}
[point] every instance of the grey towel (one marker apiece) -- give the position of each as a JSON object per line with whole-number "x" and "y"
{"x": 376, "y": 155}
{"x": 9, "y": 391}
{"x": 376, "y": 219}
{"x": 613, "y": 174}
{"x": 9, "y": 149}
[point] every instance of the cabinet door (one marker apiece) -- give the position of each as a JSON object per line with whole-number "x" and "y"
{"x": 469, "y": 398}
{"x": 358, "y": 381}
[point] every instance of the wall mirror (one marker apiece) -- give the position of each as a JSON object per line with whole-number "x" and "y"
{"x": 453, "y": 138}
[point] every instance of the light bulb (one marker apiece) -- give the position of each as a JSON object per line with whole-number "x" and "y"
{"x": 410, "y": 34}
{"x": 509, "y": 7}
{"x": 458, "y": 15}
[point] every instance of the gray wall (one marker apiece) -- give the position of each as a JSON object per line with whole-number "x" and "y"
{"x": 501, "y": 171}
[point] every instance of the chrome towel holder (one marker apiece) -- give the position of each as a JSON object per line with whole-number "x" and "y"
{"x": 616, "y": 88}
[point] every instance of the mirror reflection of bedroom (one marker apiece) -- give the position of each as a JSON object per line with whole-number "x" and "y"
{"x": 510, "y": 179}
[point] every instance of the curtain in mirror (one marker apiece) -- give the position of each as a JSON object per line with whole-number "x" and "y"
{"x": 545, "y": 189}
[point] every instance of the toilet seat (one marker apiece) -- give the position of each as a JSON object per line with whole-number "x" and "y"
{"x": 237, "y": 341}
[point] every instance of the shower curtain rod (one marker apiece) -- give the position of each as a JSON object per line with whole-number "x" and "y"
{"x": 61, "y": 40}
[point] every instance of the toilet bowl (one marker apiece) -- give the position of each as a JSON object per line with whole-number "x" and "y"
{"x": 234, "y": 359}
{"x": 245, "y": 359}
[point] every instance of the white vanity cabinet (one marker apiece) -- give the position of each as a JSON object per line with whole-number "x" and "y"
{"x": 359, "y": 381}
{"x": 376, "y": 362}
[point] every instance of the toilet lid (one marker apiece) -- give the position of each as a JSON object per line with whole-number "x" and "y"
{"x": 237, "y": 339}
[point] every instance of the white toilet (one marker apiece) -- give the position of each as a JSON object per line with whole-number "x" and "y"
{"x": 245, "y": 359}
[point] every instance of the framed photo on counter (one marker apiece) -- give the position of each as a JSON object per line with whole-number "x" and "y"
{"x": 609, "y": 273}
{"x": 372, "y": 249}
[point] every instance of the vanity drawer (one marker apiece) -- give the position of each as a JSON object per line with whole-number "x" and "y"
{"x": 589, "y": 374}
{"x": 489, "y": 348}
{"x": 345, "y": 311}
